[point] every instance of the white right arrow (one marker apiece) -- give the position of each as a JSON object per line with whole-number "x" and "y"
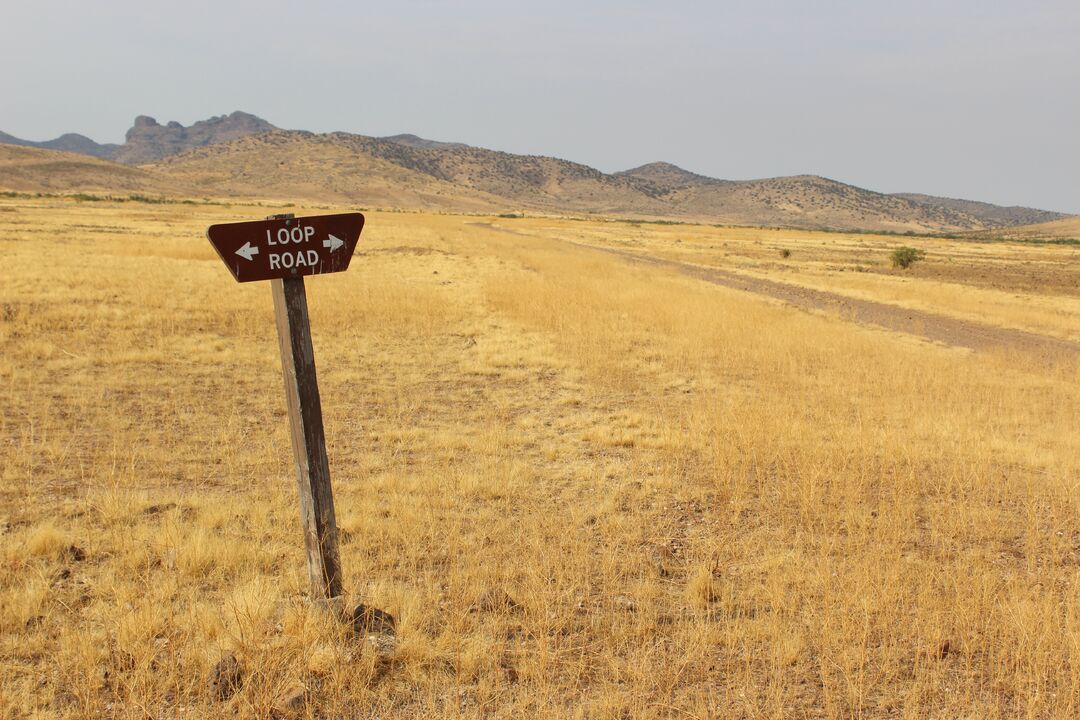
{"x": 333, "y": 243}
{"x": 248, "y": 252}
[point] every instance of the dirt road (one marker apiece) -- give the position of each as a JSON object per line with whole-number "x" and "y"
{"x": 939, "y": 328}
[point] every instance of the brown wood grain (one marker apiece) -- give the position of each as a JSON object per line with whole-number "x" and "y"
{"x": 308, "y": 440}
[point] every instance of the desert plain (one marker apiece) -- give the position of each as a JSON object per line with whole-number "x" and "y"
{"x": 593, "y": 468}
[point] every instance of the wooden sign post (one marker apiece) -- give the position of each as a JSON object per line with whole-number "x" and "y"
{"x": 308, "y": 440}
{"x": 291, "y": 248}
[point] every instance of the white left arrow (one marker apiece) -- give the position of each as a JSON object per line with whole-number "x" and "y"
{"x": 248, "y": 252}
{"x": 333, "y": 243}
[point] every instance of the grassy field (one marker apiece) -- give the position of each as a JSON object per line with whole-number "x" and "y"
{"x": 585, "y": 488}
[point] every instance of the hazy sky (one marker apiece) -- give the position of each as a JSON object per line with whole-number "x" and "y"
{"x": 966, "y": 98}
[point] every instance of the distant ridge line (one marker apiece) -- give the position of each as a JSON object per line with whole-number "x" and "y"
{"x": 242, "y": 154}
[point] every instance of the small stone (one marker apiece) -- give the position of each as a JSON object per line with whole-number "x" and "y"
{"x": 507, "y": 670}
{"x": 64, "y": 699}
{"x": 663, "y": 560}
{"x": 120, "y": 663}
{"x": 625, "y": 603}
{"x": 372, "y": 621}
{"x": 225, "y": 678}
{"x": 75, "y": 553}
{"x": 379, "y": 631}
{"x": 383, "y": 645}
{"x": 290, "y": 703}
{"x": 322, "y": 660}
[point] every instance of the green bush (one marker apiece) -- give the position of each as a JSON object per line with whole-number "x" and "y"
{"x": 904, "y": 257}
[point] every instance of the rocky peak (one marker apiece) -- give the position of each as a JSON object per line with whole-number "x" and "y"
{"x": 148, "y": 140}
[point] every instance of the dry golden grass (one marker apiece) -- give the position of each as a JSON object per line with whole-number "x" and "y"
{"x": 686, "y": 501}
{"x": 1021, "y": 286}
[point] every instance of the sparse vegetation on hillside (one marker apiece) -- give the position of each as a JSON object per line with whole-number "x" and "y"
{"x": 995, "y": 215}
{"x": 343, "y": 167}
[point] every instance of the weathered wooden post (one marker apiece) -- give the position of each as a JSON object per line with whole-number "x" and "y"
{"x": 308, "y": 441}
{"x": 283, "y": 249}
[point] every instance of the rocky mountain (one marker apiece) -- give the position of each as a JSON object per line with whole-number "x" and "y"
{"x": 992, "y": 215}
{"x": 148, "y": 141}
{"x": 242, "y": 155}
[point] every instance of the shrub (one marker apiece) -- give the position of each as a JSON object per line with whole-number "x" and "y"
{"x": 904, "y": 257}
{"x": 785, "y": 253}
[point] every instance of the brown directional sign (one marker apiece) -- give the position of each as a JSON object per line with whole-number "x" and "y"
{"x": 287, "y": 247}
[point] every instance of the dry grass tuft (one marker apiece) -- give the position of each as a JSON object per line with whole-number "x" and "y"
{"x": 47, "y": 541}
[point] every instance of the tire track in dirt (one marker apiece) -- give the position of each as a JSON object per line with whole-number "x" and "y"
{"x": 919, "y": 323}
{"x": 931, "y": 326}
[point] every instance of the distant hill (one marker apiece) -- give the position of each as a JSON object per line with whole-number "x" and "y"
{"x": 993, "y": 215}
{"x": 347, "y": 166}
{"x": 69, "y": 142}
{"x": 31, "y": 169}
{"x": 810, "y": 201}
{"x": 148, "y": 141}
{"x": 243, "y": 155}
{"x": 529, "y": 181}
{"x": 302, "y": 165}
{"x": 661, "y": 177}
{"x": 1066, "y": 228}
{"x": 801, "y": 200}
{"x": 353, "y": 166}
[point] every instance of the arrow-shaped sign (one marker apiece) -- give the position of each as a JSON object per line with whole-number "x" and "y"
{"x": 287, "y": 247}
{"x": 248, "y": 252}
